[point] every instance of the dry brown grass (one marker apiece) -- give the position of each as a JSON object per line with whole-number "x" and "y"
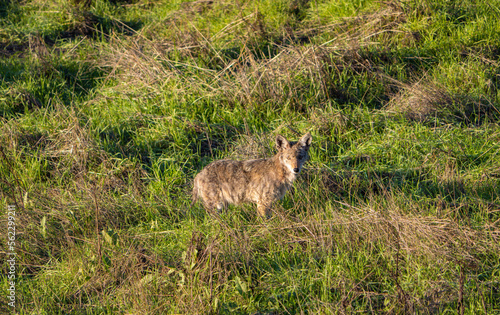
{"x": 195, "y": 62}
{"x": 425, "y": 101}
{"x": 70, "y": 147}
{"x": 422, "y": 101}
{"x": 287, "y": 78}
{"x": 329, "y": 123}
{"x": 379, "y": 27}
{"x": 402, "y": 238}
{"x": 57, "y": 200}
{"x": 400, "y": 228}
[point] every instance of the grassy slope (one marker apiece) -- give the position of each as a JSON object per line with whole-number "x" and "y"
{"x": 109, "y": 111}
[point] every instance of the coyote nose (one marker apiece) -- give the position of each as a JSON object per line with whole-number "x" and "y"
{"x": 296, "y": 170}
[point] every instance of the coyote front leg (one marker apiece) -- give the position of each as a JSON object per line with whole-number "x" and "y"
{"x": 264, "y": 210}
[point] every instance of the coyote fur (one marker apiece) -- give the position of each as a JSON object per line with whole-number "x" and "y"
{"x": 260, "y": 181}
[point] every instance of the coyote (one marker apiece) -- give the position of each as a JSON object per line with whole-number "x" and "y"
{"x": 261, "y": 181}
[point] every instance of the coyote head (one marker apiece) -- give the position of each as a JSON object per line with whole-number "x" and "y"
{"x": 293, "y": 154}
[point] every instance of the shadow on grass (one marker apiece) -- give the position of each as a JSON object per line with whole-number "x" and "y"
{"x": 416, "y": 183}
{"x": 207, "y": 142}
{"x": 33, "y": 72}
{"x": 31, "y": 85}
{"x": 7, "y": 7}
{"x": 93, "y": 26}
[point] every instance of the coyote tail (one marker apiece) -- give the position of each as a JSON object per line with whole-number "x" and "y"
{"x": 195, "y": 196}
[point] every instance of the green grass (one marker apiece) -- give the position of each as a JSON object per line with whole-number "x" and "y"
{"x": 108, "y": 112}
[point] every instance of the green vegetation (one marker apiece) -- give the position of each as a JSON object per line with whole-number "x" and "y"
{"x": 109, "y": 108}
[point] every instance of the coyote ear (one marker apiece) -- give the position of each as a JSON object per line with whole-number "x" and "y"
{"x": 306, "y": 140}
{"x": 282, "y": 143}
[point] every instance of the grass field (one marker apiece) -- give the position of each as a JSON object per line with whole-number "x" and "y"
{"x": 109, "y": 108}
